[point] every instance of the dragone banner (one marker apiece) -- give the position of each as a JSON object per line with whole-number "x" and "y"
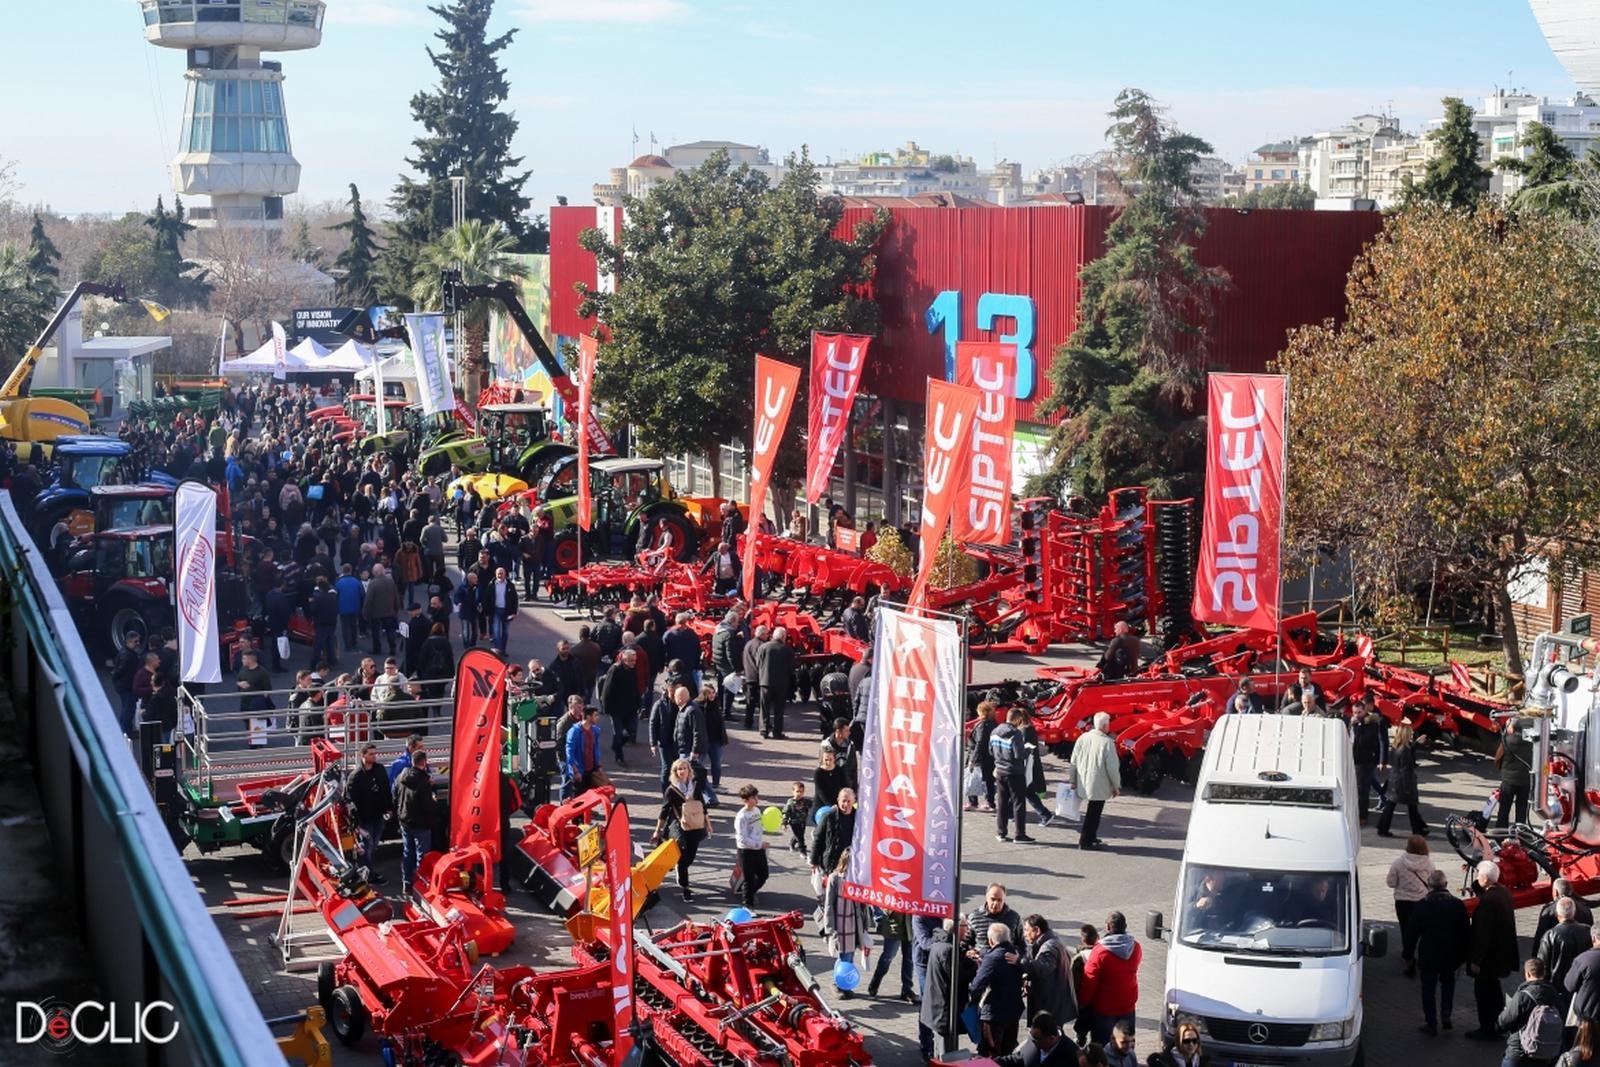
{"x": 195, "y": 533}
{"x": 475, "y": 755}
{"x": 952, "y": 409}
{"x": 426, "y": 333}
{"x": 776, "y": 382}
{"x": 1236, "y": 583}
{"x": 588, "y": 352}
{"x": 619, "y": 875}
{"x": 836, "y": 362}
{"x": 984, "y": 514}
{"x": 903, "y": 857}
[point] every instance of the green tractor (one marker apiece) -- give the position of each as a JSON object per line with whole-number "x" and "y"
{"x": 514, "y": 439}
{"x": 631, "y": 497}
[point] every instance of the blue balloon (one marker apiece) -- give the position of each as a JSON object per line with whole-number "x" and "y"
{"x": 740, "y": 915}
{"x": 817, "y": 818}
{"x": 846, "y": 975}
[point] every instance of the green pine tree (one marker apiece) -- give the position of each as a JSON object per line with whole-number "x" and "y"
{"x": 466, "y": 133}
{"x": 43, "y": 256}
{"x": 303, "y": 249}
{"x": 1454, "y": 177}
{"x": 356, "y": 266}
{"x": 173, "y": 280}
{"x": 1127, "y": 382}
{"x": 1548, "y": 174}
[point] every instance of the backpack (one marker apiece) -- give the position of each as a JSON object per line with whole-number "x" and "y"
{"x": 1540, "y": 1036}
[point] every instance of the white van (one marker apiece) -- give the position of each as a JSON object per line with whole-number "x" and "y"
{"x": 1267, "y": 941}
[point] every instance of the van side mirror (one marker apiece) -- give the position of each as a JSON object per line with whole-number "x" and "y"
{"x": 1153, "y": 925}
{"x": 1375, "y": 942}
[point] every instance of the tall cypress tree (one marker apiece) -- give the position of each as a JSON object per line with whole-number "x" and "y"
{"x": 356, "y": 265}
{"x": 465, "y": 133}
{"x": 1454, "y": 177}
{"x": 43, "y": 255}
{"x": 1127, "y": 383}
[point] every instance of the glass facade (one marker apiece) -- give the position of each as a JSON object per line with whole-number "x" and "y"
{"x": 234, "y": 115}
{"x": 272, "y": 12}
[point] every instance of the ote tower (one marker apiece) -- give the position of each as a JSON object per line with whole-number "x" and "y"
{"x": 234, "y": 143}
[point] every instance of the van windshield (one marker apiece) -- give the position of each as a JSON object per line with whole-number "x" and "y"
{"x": 1228, "y": 909}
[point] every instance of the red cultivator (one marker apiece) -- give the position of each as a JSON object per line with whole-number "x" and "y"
{"x": 738, "y": 993}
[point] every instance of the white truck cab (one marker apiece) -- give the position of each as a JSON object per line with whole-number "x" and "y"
{"x": 1267, "y": 940}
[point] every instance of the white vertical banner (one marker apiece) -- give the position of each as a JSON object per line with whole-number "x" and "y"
{"x": 280, "y": 352}
{"x": 222, "y": 346}
{"x": 195, "y": 531}
{"x": 903, "y": 856}
{"x": 426, "y": 333}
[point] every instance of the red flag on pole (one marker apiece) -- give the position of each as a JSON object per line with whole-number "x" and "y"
{"x": 588, "y": 352}
{"x": 1236, "y": 583}
{"x": 984, "y": 516}
{"x": 619, "y": 873}
{"x": 475, "y": 755}
{"x": 836, "y": 362}
{"x": 952, "y": 409}
{"x": 776, "y": 383}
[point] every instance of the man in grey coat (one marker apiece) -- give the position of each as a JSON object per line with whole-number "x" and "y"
{"x": 934, "y": 1017}
{"x": 380, "y": 607}
{"x": 775, "y": 671}
{"x": 749, "y": 660}
{"x": 1049, "y": 969}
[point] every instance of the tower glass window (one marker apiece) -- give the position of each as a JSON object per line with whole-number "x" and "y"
{"x": 234, "y": 115}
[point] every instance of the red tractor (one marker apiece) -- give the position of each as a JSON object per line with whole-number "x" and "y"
{"x": 116, "y": 581}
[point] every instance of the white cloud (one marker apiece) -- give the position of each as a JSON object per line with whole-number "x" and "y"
{"x": 600, "y": 10}
{"x": 379, "y": 13}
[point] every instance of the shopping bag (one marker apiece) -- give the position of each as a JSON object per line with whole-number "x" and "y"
{"x": 973, "y": 784}
{"x": 970, "y": 1023}
{"x": 736, "y": 878}
{"x": 1067, "y": 802}
{"x": 283, "y": 646}
{"x": 816, "y": 883}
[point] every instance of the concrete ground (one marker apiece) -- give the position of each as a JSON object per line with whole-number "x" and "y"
{"x": 1136, "y": 873}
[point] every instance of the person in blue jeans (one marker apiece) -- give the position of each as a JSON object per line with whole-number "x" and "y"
{"x": 369, "y": 794}
{"x": 416, "y": 809}
{"x": 349, "y": 589}
{"x": 468, "y": 605}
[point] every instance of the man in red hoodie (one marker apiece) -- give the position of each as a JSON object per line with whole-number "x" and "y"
{"x": 1110, "y": 990}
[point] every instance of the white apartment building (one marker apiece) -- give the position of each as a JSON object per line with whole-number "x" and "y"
{"x": 1337, "y": 164}
{"x": 1271, "y": 165}
{"x": 1576, "y": 122}
{"x": 647, "y": 171}
{"x": 909, "y": 171}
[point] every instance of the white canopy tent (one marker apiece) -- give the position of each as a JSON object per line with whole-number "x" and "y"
{"x": 399, "y": 367}
{"x": 349, "y": 358}
{"x": 305, "y": 356}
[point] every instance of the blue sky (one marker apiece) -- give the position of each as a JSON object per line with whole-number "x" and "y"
{"x": 92, "y": 111}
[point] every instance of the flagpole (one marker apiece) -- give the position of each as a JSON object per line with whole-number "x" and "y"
{"x": 956, "y": 951}
{"x": 1283, "y": 524}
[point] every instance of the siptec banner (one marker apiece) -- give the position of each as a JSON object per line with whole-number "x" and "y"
{"x": 1236, "y": 583}
{"x": 836, "y": 362}
{"x": 946, "y": 442}
{"x": 903, "y": 857}
{"x": 475, "y": 755}
{"x": 776, "y": 383}
{"x": 984, "y": 515}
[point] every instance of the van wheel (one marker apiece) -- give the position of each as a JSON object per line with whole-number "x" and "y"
{"x": 1361, "y": 1056}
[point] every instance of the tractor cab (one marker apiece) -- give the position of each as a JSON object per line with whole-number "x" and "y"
{"x": 122, "y": 507}
{"x": 82, "y": 462}
{"x": 634, "y": 510}
{"x": 510, "y": 430}
{"x": 116, "y": 581}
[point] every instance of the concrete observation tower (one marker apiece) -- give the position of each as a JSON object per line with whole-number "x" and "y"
{"x": 234, "y": 143}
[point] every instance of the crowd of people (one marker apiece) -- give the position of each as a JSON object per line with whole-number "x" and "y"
{"x": 381, "y": 563}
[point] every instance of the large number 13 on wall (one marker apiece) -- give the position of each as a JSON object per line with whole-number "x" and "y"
{"x": 945, "y": 314}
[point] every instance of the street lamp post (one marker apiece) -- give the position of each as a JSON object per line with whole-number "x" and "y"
{"x": 458, "y": 215}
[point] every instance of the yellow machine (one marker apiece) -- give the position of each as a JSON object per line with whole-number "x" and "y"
{"x": 305, "y": 1044}
{"x": 46, "y": 418}
{"x": 648, "y": 874}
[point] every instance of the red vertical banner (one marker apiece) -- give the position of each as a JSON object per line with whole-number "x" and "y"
{"x": 952, "y": 409}
{"x": 984, "y": 515}
{"x": 903, "y": 855}
{"x": 619, "y": 873}
{"x": 836, "y": 362}
{"x": 776, "y": 383}
{"x": 588, "y": 353}
{"x": 475, "y": 755}
{"x": 1236, "y": 583}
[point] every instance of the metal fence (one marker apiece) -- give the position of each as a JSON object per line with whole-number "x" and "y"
{"x": 145, "y": 926}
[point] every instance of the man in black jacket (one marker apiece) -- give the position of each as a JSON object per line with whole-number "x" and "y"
{"x": 1369, "y": 748}
{"x": 278, "y": 607}
{"x": 662, "y": 732}
{"x": 324, "y": 625}
{"x": 750, "y": 661}
{"x": 1493, "y": 953}
{"x": 1561, "y": 945}
{"x": 1547, "y": 914}
{"x": 727, "y": 658}
{"x": 1442, "y": 931}
{"x": 129, "y": 659}
{"x": 1583, "y": 980}
{"x": 834, "y": 833}
{"x": 619, "y": 698}
{"x": 566, "y": 675}
{"x": 855, "y": 621}
{"x": 775, "y": 668}
{"x": 416, "y": 808}
{"x": 1010, "y": 776}
{"x": 368, "y": 791}
{"x": 1534, "y": 992}
{"x": 934, "y": 1017}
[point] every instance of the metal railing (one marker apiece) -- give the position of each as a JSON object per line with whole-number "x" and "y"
{"x": 145, "y": 926}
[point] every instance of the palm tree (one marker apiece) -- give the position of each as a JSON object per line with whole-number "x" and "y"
{"x": 482, "y": 253}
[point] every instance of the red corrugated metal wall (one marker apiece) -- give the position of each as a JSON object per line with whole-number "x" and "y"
{"x": 1287, "y": 268}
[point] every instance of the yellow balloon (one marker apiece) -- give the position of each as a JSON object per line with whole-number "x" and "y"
{"x": 772, "y": 820}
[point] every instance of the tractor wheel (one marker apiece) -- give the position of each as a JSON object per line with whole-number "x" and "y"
{"x": 685, "y": 535}
{"x": 348, "y": 1017}
{"x": 123, "y": 614}
{"x": 326, "y": 984}
{"x": 1147, "y": 774}
{"x": 566, "y": 550}
{"x": 280, "y": 846}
